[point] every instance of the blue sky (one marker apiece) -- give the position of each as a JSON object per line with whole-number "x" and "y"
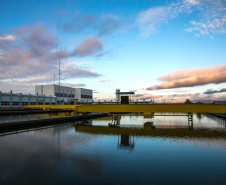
{"x": 163, "y": 50}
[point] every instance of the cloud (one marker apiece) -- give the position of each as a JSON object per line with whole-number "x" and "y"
{"x": 108, "y": 24}
{"x": 178, "y": 98}
{"x": 215, "y": 91}
{"x": 106, "y": 80}
{"x": 146, "y": 96}
{"x": 211, "y": 13}
{"x": 30, "y": 55}
{"x": 89, "y": 46}
{"x": 149, "y": 19}
{"x": 7, "y": 38}
{"x": 212, "y": 18}
{"x": 104, "y": 25}
{"x": 78, "y": 23}
{"x": 190, "y": 78}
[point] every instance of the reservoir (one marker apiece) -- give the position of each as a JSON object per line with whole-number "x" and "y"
{"x": 129, "y": 149}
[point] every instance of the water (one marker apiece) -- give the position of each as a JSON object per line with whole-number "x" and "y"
{"x": 21, "y": 117}
{"x": 72, "y": 154}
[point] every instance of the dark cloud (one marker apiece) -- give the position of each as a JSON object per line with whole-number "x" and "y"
{"x": 77, "y": 24}
{"x": 108, "y": 25}
{"x": 79, "y": 73}
{"x": 215, "y": 91}
{"x": 89, "y": 23}
{"x": 89, "y": 46}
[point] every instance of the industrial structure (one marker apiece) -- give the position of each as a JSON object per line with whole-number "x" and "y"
{"x": 18, "y": 99}
{"x": 65, "y": 94}
{"x": 123, "y": 97}
{"x": 46, "y": 95}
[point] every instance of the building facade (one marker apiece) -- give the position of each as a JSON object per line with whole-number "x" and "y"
{"x": 18, "y": 99}
{"x": 65, "y": 94}
{"x": 46, "y": 95}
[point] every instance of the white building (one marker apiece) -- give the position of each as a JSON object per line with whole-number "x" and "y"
{"x": 46, "y": 94}
{"x": 65, "y": 94}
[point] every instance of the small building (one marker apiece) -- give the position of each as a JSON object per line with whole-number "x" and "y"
{"x": 123, "y": 97}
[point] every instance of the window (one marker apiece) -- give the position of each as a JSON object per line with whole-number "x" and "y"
{"x": 16, "y": 103}
{"x": 5, "y": 103}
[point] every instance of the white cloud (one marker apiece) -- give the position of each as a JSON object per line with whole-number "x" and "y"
{"x": 193, "y": 2}
{"x": 7, "y": 38}
{"x": 149, "y": 19}
{"x": 212, "y": 18}
{"x": 106, "y": 80}
{"x": 210, "y": 14}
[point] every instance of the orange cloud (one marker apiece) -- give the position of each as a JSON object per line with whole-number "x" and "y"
{"x": 190, "y": 78}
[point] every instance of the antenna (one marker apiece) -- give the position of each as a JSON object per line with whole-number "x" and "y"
{"x": 59, "y": 71}
{"x": 54, "y": 78}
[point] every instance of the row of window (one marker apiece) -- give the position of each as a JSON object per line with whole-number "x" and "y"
{"x": 86, "y": 96}
{"x": 6, "y": 103}
{"x": 72, "y": 95}
{"x": 64, "y": 95}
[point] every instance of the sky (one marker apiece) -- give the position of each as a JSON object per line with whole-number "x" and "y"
{"x": 164, "y": 50}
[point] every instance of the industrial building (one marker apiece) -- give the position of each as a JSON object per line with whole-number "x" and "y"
{"x": 18, "y": 99}
{"x": 65, "y": 94}
{"x": 46, "y": 95}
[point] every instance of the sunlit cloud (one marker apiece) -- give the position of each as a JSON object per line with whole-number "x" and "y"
{"x": 178, "y": 98}
{"x": 146, "y": 96}
{"x": 190, "y": 78}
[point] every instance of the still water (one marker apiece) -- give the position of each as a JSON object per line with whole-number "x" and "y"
{"x": 21, "y": 117}
{"x": 131, "y": 153}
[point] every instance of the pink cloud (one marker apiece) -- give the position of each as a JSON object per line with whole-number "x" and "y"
{"x": 32, "y": 51}
{"x": 190, "y": 78}
{"x": 89, "y": 46}
{"x": 30, "y": 55}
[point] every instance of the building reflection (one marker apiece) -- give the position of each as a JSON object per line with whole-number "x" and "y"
{"x": 126, "y": 133}
{"x": 126, "y": 142}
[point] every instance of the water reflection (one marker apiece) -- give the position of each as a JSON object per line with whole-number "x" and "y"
{"x": 21, "y": 117}
{"x": 131, "y": 150}
{"x": 126, "y": 142}
{"x": 149, "y": 129}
